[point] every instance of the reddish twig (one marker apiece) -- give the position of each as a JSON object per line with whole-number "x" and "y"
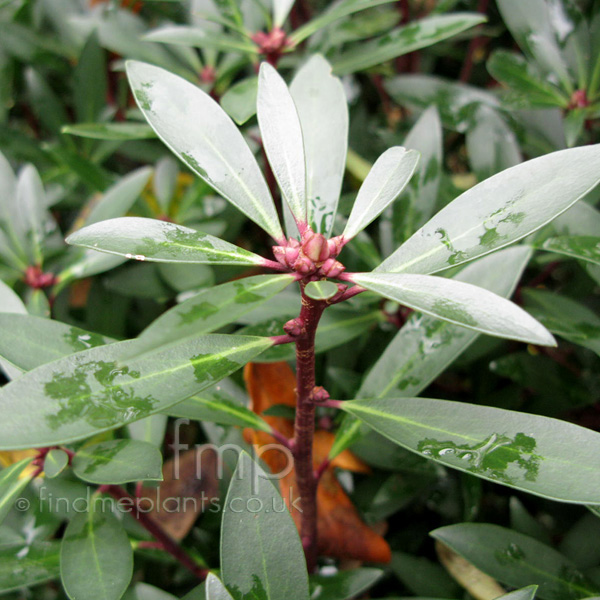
{"x": 474, "y": 45}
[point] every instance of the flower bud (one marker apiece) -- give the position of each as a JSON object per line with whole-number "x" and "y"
{"x": 279, "y": 253}
{"x": 316, "y": 247}
{"x": 332, "y": 268}
{"x": 304, "y": 265}
{"x": 320, "y": 394}
{"x": 335, "y": 246}
{"x": 294, "y": 327}
{"x": 291, "y": 255}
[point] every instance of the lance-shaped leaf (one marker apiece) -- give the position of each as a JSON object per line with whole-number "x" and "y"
{"x": 344, "y": 585}
{"x": 540, "y": 455}
{"x": 425, "y": 346}
{"x": 210, "y": 309}
{"x": 261, "y": 552}
{"x": 403, "y": 40}
{"x": 10, "y": 302}
{"x": 96, "y": 559}
{"x": 27, "y": 342}
{"x": 281, "y": 134}
{"x": 459, "y": 303}
{"x": 199, "y": 131}
{"x": 55, "y": 463}
{"x": 499, "y": 211}
{"x": 159, "y": 241}
{"x": 12, "y": 482}
{"x": 201, "y": 38}
{"x": 281, "y": 9}
{"x": 526, "y": 593}
{"x": 516, "y": 559}
{"x": 92, "y": 391}
{"x": 122, "y": 131}
{"x": 323, "y": 110}
{"x": 215, "y": 590}
{"x": 582, "y": 247}
{"x": 118, "y": 462}
{"x": 20, "y": 569}
{"x": 384, "y": 183}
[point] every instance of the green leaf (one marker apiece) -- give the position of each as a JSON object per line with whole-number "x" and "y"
{"x": 215, "y": 590}
{"x": 499, "y": 211}
{"x": 20, "y": 569}
{"x": 118, "y": 461}
{"x": 93, "y": 391}
{"x": 425, "y": 346}
{"x": 197, "y": 129}
{"x": 526, "y": 593}
{"x": 210, "y": 310}
{"x": 281, "y": 10}
{"x": 321, "y": 290}
{"x": 160, "y": 241}
{"x": 89, "y": 85}
{"x": 96, "y": 559}
{"x": 333, "y": 13}
{"x": 55, "y": 463}
{"x": 239, "y": 101}
{"x": 10, "y": 302}
{"x": 423, "y": 576}
{"x": 459, "y": 303}
{"x": 261, "y": 552}
{"x": 110, "y": 131}
{"x": 384, "y": 183}
{"x": 152, "y": 429}
{"x": 12, "y": 483}
{"x": 200, "y": 38}
{"x": 343, "y": 585}
{"x": 531, "y": 88}
{"x": 516, "y": 559}
{"x": 281, "y": 135}
{"x": 581, "y": 247}
{"x": 539, "y": 455}
{"x": 323, "y": 110}
{"x": 403, "y": 40}
{"x": 28, "y": 342}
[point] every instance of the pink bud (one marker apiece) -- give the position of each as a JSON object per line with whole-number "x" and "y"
{"x": 291, "y": 255}
{"x": 332, "y": 268}
{"x": 320, "y": 394}
{"x": 316, "y": 248}
{"x": 279, "y": 253}
{"x": 304, "y": 265}
{"x": 294, "y": 327}
{"x": 293, "y": 243}
{"x": 335, "y": 246}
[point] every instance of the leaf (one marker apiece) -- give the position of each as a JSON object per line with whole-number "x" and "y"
{"x": 515, "y": 559}
{"x": 403, "y": 40}
{"x": 261, "y": 553}
{"x": 89, "y": 86}
{"x": 499, "y": 211}
{"x": 323, "y": 111}
{"x": 96, "y": 559}
{"x": 20, "y": 570}
{"x": 200, "y": 38}
{"x": 344, "y": 585}
{"x": 201, "y": 134}
{"x": 384, "y": 183}
{"x": 459, "y": 303}
{"x": 532, "y": 89}
{"x": 13, "y": 480}
{"x": 118, "y": 462}
{"x": 332, "y": 14}
{"x": 281, "y": 10}
{"x": 28, "y": 342}
{"x": 152, "y": 429}
{"x": 210, "y": 310}
{"x": 92, "y": 391}
{"x": 110, "y": 131}
{"x": 281, "y": 134}
{"x": 55, "y": 463}
{"x": 425, "y": 346}
{"x": 580, "y": 247}
{"x": 10, "y": 302}
{"x": 526, "y": 593}
{"x": 159, "y": 241}
{"x": 239, "y": 101}
{"x": 422, "y": 576}
{"x": 321, "y": 290}
{"x": 215, "y": 590}
{"x": 523, "y": 451}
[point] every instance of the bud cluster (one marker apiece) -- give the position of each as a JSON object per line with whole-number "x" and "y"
{"x": 313, "y": 255}
{"x": 35, "y": 278}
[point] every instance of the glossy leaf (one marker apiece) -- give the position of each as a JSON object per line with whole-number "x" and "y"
{"x": 96, "y": 559}
{"x": 239, "y": 101}
{"x": 117, "y": 462}
{"x": 526, "y": 593}
{"x": 210, "y": 310}
{"x": 459, "y": 303}
{"x": 425, "y": 346}
{"x": 13, "y": 481}
{"x": 281, "y": 134}
{"x": 261, "y": 553}
{"x": 323, "y": 111}
{"x": 110, "y": 131}
{"x": 516, "y": 559}
{"x": 89, "y": 89}
{"x": 24, "y": 569}
{"x": 523, "y": 451}
{"x": 28, "y": 342}
{"x": 321, "y": 290}
{"x": 499, "y": 211}
{"x": 55, "y": 463}
{"x": 200, "y": 38}
{"x": 159, "y": 241}
{"x": 403, "y": 40}
{"x": 343, "y": 585}
{"x": 10, "y": 302}
{"x": 152, "y": 429}
{"x": 576, "y": 246}
{"x": 197, "y": 129}
{"x": 215, "y": 590}
{"x": 281, "y": 10}
{"x": 93, "y": 391}
{"x": 384, "y": 183}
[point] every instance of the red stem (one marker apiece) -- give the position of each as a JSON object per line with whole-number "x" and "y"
{"x": 474, "y": 45}
{"x": 167, "y": 543}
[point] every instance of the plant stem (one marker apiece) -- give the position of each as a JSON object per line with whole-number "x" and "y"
{"x": 166, "y": 542}
{"x": 304, "y": 426}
